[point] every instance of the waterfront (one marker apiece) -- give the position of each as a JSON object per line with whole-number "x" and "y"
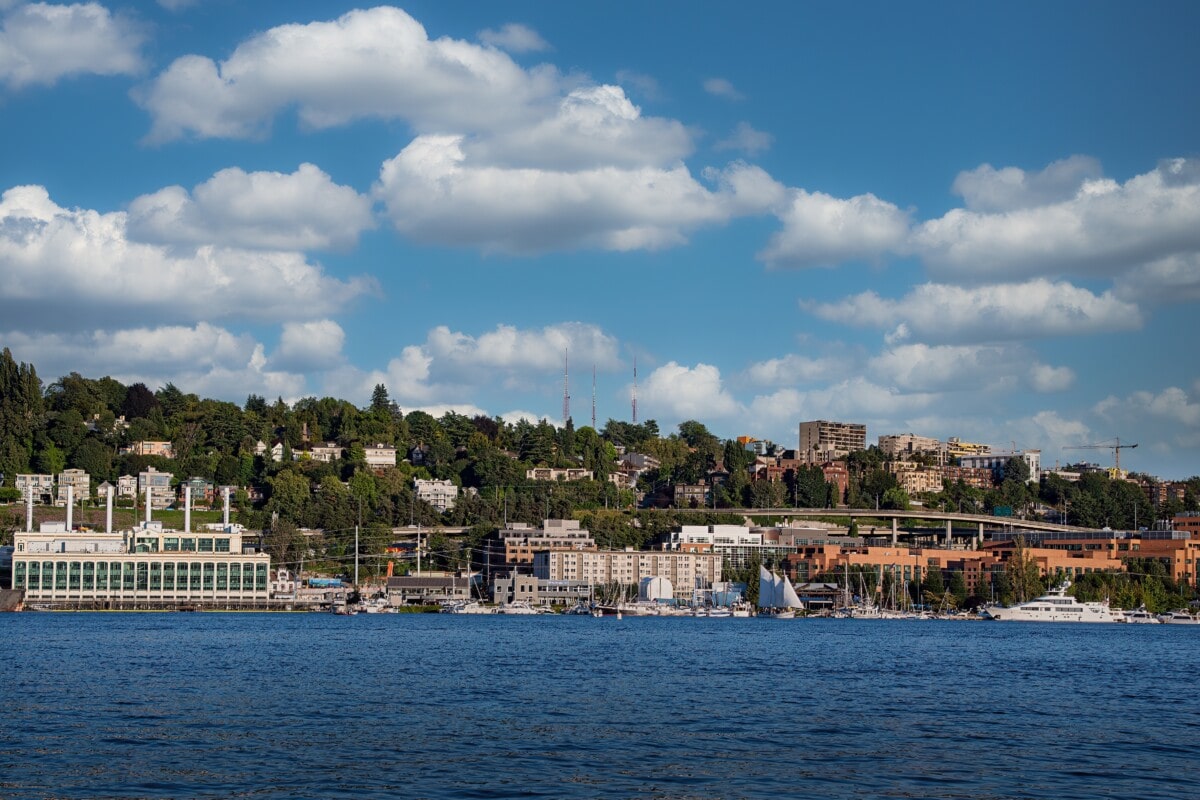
{"x": 439, "y": 706}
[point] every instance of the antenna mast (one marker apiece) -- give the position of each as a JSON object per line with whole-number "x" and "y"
{"x": 593, "y": 397}
{"x": 566, "y": 390}
{"x": 635, "y": 390}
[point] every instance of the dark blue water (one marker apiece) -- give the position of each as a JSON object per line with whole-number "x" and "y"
{"x": 317, "y": 706}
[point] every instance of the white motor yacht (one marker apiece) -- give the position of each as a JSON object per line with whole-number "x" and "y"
{"x": 1054, "y": 606}
{"x": 1139, "y": 616}
{"x": 1179, "y": 617}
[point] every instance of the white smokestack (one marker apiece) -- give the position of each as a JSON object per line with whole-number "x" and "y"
{"x": 187, "y": 509}
{"x": 148, "y": 490}
{"x": 108, "y": 503}
{"x": 225, "y": 517}
{"x": 29, "y": 509}
{"x": 70, "y": 507}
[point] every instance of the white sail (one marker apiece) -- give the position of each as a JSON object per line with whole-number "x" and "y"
{"x": 789, "y": 598}
{"x": 766, "y": 588}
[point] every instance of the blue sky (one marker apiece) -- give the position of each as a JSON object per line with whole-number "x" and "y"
{"x": 973, "y": 220}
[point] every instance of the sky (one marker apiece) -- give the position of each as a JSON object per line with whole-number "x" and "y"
{"x": 978, "y": 220}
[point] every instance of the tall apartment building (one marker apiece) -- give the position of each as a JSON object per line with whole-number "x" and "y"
{"x": 80, "y": 483}
{"x": 684, "y": 570}
{"x": 902, "y": 445}
{"x": 822, "y": 440}
{"x": 442, "y": 495}
{"x": 515, "y": 545}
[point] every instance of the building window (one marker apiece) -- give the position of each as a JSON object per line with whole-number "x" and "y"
{"x": 194, "y": 577}
{"x": 60, "y": 576}
{"x": 89, "y": 575}
{"x": 222, "y": 544}
{"x": 235, "y": 577}
{"x": 209, "y": 572}
{"x": 156, "y": 577}
{"x": 171, "y": 544}
{"x": 222, "y": 577}
{"x": 127, "y": 577}
{"x": 168, "y": 576}
{"x": 189, "y": 545}
{"x": 260, "y": 577}
{"x": 143, "y": 572}
{"x": 19, "y": 575}
{"x": 206, "y": 545}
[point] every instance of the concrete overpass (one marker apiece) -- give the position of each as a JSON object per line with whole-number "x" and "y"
{"x": 974, "y": 522}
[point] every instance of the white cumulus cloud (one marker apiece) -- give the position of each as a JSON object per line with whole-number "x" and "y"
{"x": 722, "y": 87}
{"x": 1103, "y": 229}
{"x": 822, "y": 230}
{"x": 515, "y": 38}
{"x": 674, "y": 393}
{"x": 53, "y": 257}
{"x": 303, "y": 210}
{"x": 307, "y": 346}
{"x": 746, "y": 139}
{"x": 1047, "y": 378}
{"x": 41, "y": 43}
{"x": 987, "y": 189}
{"x": 433, "y": 193}
{"x": 940, "y": 312}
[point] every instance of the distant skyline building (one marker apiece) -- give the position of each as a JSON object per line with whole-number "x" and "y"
{"x": 823, "y": 440}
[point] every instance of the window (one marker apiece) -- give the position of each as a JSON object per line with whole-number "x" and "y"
{"x": 89, "y": 575}
{"x": 168, "y": 576}
{"x": 209, "y": 572}
{"x": 127, "y": 576}
{"x": 73, "y": 575}
{"x": 235, "y": 577}
{"x": 19, "y": 575}
{"x": 260, "y": 577}
{"x": 171, "y": 544}
{"x": 206, "y": 545}
{"x": 156, "y": 577}
{"x": 143, "y": 581}
{"x": 60, "y": 576}
{"x": 194, "y": 578}
{"x": 222, "y": 544}
{"x": 189, "y": 545}
{"x": 222, "y": 577}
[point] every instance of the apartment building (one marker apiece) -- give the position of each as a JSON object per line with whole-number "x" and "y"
{"x": 685, "y": 570}
{"x": 822, "y": 440}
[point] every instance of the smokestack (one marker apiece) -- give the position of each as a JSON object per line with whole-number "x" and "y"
{"x": 225, "y": 516}
{"x": 187, "y": 509}
{"x": 108, "y": 510}
{"x": 70, "y": 507}
{"x": 29, "y": 509}
{"x": 149, "y": 489}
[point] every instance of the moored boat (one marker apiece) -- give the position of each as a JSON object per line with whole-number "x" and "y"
{"x": 1054, "y": 606}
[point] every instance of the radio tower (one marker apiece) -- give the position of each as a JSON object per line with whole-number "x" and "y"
{"x": 593, "y": 397}
{"x": 635, "y": 390}
{"x": 566, "y": 390}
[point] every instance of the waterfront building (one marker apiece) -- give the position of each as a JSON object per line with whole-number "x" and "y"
{"x": 822, "y": 440}
{"x": 599, "y": 568}
{"x": 513, "y": 547}
{"x": 428, "y": 589}
{"x": 442, "y": 495}
{"x": 143, "y": 567}
{"x": 737, "y": 545}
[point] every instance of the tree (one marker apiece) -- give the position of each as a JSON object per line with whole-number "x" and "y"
{"x": 95, "y": 458}
{"x": 50, "y": 460}
{"x": 138, "y": 403}
{"x": 290, "y": 495}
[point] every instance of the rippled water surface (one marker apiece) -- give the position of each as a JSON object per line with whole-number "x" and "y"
{"x": 318, "y": 706}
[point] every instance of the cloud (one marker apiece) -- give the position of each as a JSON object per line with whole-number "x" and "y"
{"x": 720, "y": 87}
{"x": 1167, "y": 281}
{"x": 307, "y": 346}
{"x": 1045, "y": 378}
{"x": 375, "y": 63}
{"x": 41, "y": 43}
{"x": 793, "y": 369}
{"x": 746, "y": 139}
{"x": 434, "y": 194}
{"x": 1172, "y": 405}
{"x": 987, "y": 189}
{"x": 592, "y": 126}
{"x": 644, "y": 85}
{"x": 450, "y": 365}
{"x": 515, "y": 38}
{"x": 943, "y": 368}
{"x": 675, "y": 393}
{"x": 205, "y": 359}
{"x": 1103, "y": 229}
{"x": 53, "y": 257}
{"x": 269, "y": 210}
{"x": 177, "y": 5}
{"x": 852, "y": 399}
{"x": 1001, "y": 312}
{"x": 821, "y": 230}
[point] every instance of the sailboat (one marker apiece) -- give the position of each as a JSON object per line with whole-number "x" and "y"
{"x": 776, "y": 596}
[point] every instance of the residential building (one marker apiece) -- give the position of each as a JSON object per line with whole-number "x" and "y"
{"x": 996, "y": 461}
{"x": 41, "y": 487}
{"x": 428, "y": 589}
{"x": 327, "y": 452}
{"x": 144, "y": 567}
{"x": 906, "y": 445}
{"x": 203, "y": 491}
{"x": 380, "y": 456}
{"x": 685, "y": 495}
{"x": 737, "y": 545}
{"x": 685, "y": 571}
{"x": 513, "y": 547}
{"x": 80, "y": 483}
{"x": 440, "y": 494}
{"x": 554, "y": 474}
{"x": 159, "y": 483}
{"x": 151, "y": 448}
{"x": 822, "y": 440}
{"x": 127, "y": 486}
{"x": 957, "y": 448}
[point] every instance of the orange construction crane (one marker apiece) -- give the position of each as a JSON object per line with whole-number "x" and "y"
{"x": 1109, "y": 444}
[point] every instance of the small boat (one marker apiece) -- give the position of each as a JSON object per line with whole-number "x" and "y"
{"x": 1178, "y": 617}
{"x": 517, "y": 607}
{"x": 1139, "y": 616}
{"x": 1054, "y": 606}
{"x": 472, "y": 607}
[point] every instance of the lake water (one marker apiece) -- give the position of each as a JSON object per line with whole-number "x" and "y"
{"x": 409, "y": 706}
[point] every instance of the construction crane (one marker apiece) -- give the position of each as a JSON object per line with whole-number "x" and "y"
{"x": 1109, "y": 444}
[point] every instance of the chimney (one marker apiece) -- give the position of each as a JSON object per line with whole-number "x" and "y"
{"x": 225, "y": 516}
{"x": 29, "y": 509}
{"x": 149, "y": 489}
{"x": 108, "y": 503}
{"x": 70, "y": 507}
{"x": 187, "y": 509}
